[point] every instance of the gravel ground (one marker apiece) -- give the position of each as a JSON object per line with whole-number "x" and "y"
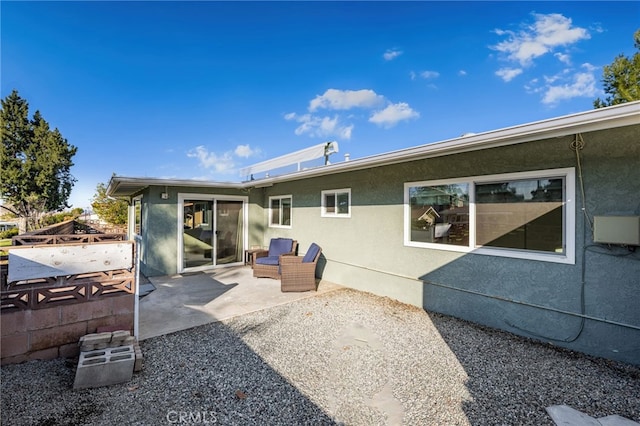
{"x": 347, "y": 358}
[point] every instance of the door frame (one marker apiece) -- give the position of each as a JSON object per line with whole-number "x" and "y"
{"x": 214, "y": 198}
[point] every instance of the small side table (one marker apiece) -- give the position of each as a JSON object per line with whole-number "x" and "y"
{"x": 248, "y": 255}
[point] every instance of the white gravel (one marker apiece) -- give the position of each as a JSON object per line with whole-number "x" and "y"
{"x": 345, "y": 357}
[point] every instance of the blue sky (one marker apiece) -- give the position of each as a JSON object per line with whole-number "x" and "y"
{"x": 201, "y": 89}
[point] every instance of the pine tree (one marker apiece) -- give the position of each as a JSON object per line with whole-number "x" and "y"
{"x": 621, "y": 79}
{"x": 35, "y": 163}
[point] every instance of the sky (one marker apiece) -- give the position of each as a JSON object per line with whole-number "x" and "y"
{"x": 199, "y": 90}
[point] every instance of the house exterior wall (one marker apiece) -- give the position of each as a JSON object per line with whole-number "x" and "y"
{"x": 160, "y": 225}
{"x": 542, "y": 300}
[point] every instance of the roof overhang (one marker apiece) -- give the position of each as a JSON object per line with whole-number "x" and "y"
{"x": 127, "y": 187}
{"x": 589, "y": 121}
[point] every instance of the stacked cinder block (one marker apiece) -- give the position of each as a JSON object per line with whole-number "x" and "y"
{"x": 106, "y": 359}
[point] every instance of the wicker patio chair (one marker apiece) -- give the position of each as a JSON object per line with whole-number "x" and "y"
{"x": 266, "y": 263}
{"x": 298, "y": 273}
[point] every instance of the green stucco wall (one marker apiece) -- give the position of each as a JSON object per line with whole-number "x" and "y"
{"x": 160, "y": 220}
{"x": 537, "y": 299}
{"x": 527, "y": 297}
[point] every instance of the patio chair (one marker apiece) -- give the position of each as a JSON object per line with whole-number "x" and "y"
{"x": 266, "y": 263}
{"x": 298, "y": 273}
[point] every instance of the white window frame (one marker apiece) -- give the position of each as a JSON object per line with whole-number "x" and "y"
{"x": 569, "y": 216}
{"x": 132, "y": 217}
{"x": 280, "y": 225}
{"x": 335, "y": 192}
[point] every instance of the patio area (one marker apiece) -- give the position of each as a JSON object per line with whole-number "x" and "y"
{"x": 183, "y": 301}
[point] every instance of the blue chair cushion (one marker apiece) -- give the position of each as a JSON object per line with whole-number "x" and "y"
{"x": 279, "y": 246}
{"x": 311, "y": 253}
{"x": 269, "y": 260}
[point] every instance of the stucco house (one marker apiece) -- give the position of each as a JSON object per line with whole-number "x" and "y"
{"x": 539, "y": 226}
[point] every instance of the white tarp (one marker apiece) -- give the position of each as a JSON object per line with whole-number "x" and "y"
{"x": 297, "y": 157}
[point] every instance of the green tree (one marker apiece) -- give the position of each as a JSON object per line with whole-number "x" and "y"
{"x": 109, "y": 209}
{"x": 621, "y": 79}
{"x": 35, "y": 163}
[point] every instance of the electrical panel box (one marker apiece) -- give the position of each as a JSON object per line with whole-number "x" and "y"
{"x": 622, "y": 230}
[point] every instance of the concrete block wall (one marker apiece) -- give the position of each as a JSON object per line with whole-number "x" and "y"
{"x": 55, "y": 332}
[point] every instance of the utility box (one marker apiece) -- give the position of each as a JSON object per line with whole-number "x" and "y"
{"x": 622, "y": 230}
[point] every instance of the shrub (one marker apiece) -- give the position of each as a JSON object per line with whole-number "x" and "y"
{"x": 8, "y": 233}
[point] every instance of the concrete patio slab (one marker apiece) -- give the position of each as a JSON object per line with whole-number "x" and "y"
{"x": 183, "y": 301}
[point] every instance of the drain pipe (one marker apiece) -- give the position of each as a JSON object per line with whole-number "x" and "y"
{"x": 490, "y": 296}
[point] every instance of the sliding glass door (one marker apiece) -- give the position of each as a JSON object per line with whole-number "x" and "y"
{"x": 229, "y": 225}
{"x": 213, "y": 232}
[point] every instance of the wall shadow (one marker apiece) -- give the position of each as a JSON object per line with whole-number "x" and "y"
{"x": 513, "y": 379}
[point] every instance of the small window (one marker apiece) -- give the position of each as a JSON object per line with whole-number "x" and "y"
{"x": 280, "y": 211}
{"x": 336, "y": 203}
{"x": 137, "y": 216}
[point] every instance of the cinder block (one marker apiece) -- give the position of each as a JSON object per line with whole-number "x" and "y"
{"x": 49, "y": 353}
{"x": 119, "y": 335}
{"x": 105, "y": 367}
{"x": 18, "y": 359}
{"x": 37, "y": 319}
{"x": 118, "y": 338}
{"x": 15, "y": 344}
{"x": 85, "y": 311}
{"x": 13, "y": 322}
{"x": 101, "y": 323}
{"x": 139, "y": 359}
{"x": 56, "y": 336}
{"x": 122, "y": 304}
{"x": 94, "y": 341}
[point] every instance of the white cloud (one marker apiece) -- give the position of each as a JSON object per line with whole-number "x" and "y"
{"x": 245, "y": 151}
{"x": 391, "y": 54}
{"x": 392, "y": 114}
{"x": 582, "y": 84}
{"x": 429, "y": 74}
{"x": 563, "y": 57}
{"x": 335, "y": 99}
{"x": 342, "y": 125}
{"x": 462, "y": 73}
{"x": 220, "y": 163}
{"x": 508, "y": 74}
{"x": 545, "y": 34}
{"x": 320, "y": 126}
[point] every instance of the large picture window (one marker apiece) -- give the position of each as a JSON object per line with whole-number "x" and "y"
{"x": 280, "y": 211}
{"x": 526, "y": 215}
{"x": 336, "y": 203}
